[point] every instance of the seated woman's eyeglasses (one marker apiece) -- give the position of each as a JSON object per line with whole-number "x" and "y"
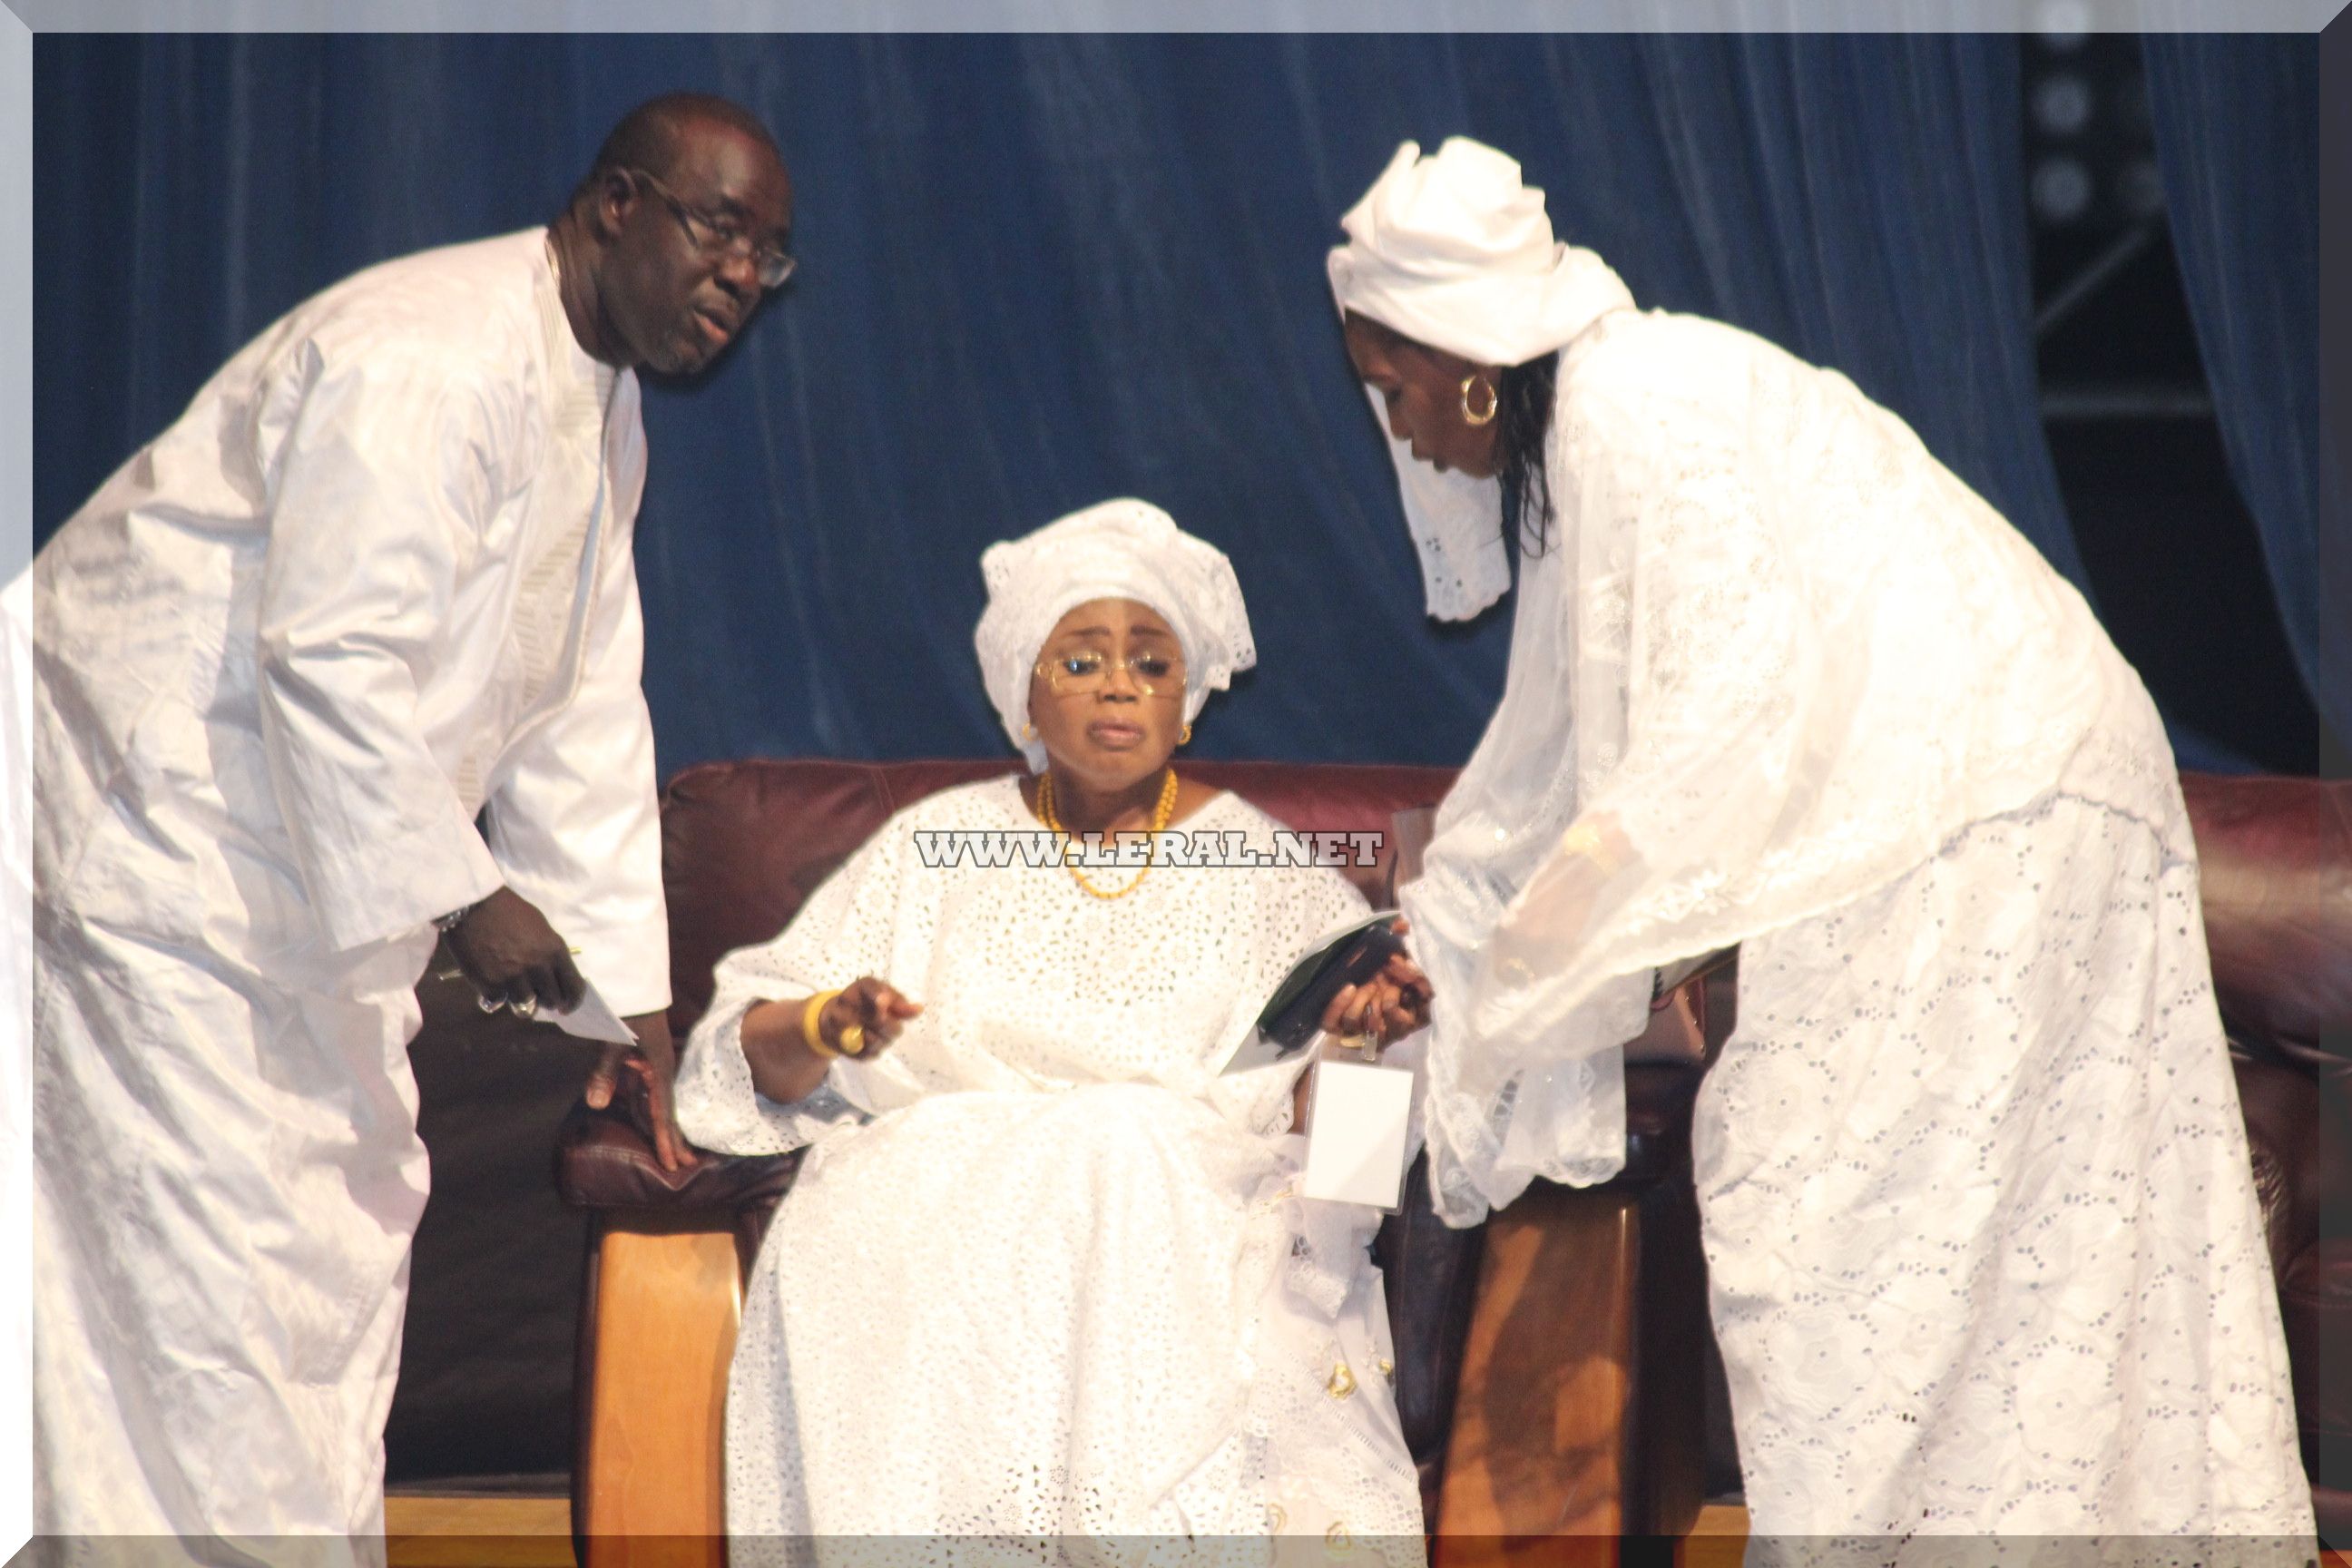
{"x": 1152, "y": 674}
{"x": 722, "y": 237}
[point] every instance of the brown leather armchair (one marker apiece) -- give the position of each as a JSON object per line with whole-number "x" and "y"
{"x": 1551, "y": 1363}
{"x": 1545, "y": 1374}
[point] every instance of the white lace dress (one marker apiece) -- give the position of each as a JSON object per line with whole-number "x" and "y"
{"x": 1985, "y": 1255}
{"x": 1041, "y": 1277}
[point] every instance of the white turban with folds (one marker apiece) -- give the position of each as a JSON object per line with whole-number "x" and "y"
{"x": 1116, "y": 550}
{"x": 1455, "y": 252}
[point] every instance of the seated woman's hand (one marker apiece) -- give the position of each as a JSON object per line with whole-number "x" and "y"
{"x": 1389, "y": 1006}
{"x": 865, "y": 1016}
{"x": 789, "y": 1042}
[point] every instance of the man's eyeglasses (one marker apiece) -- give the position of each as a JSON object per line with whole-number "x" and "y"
{"x": 1152, "y": 673}
{"x": 723, "y": 236}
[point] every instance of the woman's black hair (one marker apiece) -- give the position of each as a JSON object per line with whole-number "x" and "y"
{"x": 1523, "y": 404}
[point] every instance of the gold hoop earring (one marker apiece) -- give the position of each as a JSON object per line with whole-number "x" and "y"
{"x": 1494, "y": 401}
{"x": 1184, "y": 735}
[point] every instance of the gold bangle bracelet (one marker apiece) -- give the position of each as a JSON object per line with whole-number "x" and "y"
{"x": 1593, "y": 844}
{"x": 810, "y": 1033}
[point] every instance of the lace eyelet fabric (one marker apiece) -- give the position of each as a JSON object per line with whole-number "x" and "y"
{"x": 1983, "y": 1254}
{"x": 1986, "y": 1254}
{"x": 1043, "y": 1289}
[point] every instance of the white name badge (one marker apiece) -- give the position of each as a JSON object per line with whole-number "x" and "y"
{"x": 1356, "y": 1139}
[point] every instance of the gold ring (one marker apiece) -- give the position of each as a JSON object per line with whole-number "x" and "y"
{"x": 853, "y": 1041}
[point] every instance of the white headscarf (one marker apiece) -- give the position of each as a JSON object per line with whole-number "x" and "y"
{"x": 1116, "y": 550}
{"x": 1456, "y": 252}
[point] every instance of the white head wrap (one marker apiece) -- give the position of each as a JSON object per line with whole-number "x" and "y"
{"x": 1116, "y": 550}
{"x": 1455, "y": 251}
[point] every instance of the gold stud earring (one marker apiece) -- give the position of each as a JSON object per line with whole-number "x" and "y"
{"x": 1494, "y": 400}
{"x": 1028, "y": 732}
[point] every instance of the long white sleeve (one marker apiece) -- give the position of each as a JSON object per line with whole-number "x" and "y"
{"x": 383, "y": 486}
{"x": 859, "y": 922}
{"x": 575, "y": 820}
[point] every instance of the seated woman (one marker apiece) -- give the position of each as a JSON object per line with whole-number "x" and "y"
{"x": 1043, "y": 1273}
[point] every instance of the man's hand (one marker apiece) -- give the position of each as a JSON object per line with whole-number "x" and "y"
{"x": 654, "y": 1065}
{"x": 1389, "y": 1006}
{"x": 513, "y": 956}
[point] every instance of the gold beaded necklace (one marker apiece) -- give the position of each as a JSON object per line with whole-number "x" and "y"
{"x": 1161, "y": 815}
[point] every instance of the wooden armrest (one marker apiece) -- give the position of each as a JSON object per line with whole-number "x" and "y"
{"x": 668, "y": 1300}
{"x": 1579, "y": 1414}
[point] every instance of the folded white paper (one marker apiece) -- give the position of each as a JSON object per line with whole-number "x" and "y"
{"x": 1356, "y": 1142}
{"x": 593, "y": 1019}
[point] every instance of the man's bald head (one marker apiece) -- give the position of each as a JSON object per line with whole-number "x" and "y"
{"x": 654, "y": 135}
{"x": 664, "y": 247}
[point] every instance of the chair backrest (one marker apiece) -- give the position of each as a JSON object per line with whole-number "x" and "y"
{"x": 2274, "y": 859}
{"x": 744, "y": 844}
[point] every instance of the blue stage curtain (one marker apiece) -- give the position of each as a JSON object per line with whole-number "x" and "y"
{"x": 2237, "y": 128}
{"x": 1036, "y": 271}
